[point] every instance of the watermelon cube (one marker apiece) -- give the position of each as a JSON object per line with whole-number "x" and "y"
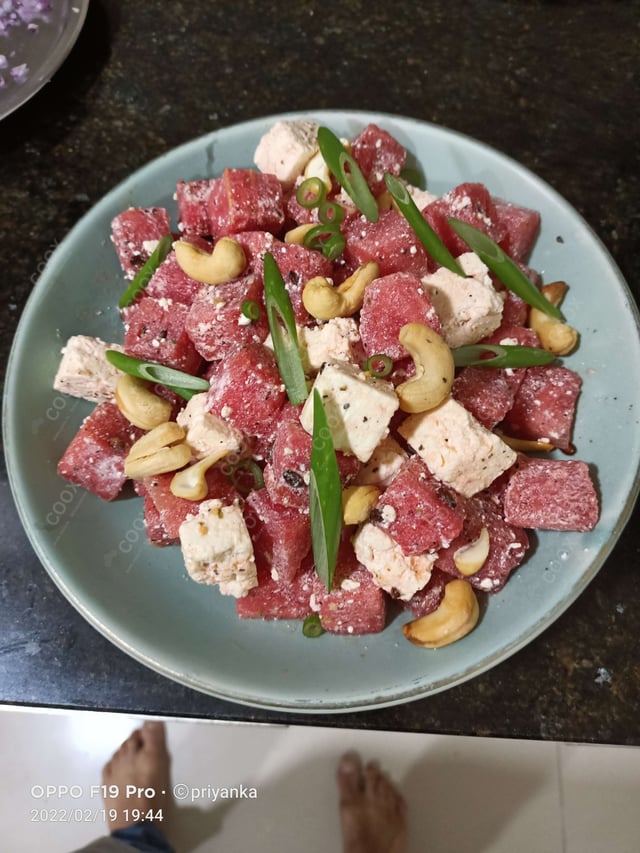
{"x": 377, "y": 152}
{"x": 485, "y": 392}
{"x": 95, "y": 457}
{"x": 544, "y": 406}
{"x": 356, "y": 604}
{"x": 281, "y": 536}
{"x": 193, "y": 206}
{"x": 135, "y": 232}
{"x": 215, "y": 322}
{"x": 470, "y": 203}
{"x": 551, "y": 494}
{"x": 155, "y": 331}
{"x": 170, "y": 282}
{"x": 274, "y": 600}
{"x": 418, "y": 512}
{"x": 247, "y": 391}
{"x": 390, "y": 241}
{"x": 389, "y": 303}
{"x": 155, "y": 529}
{"x": 429, "y": 598}
{"x": 245, "y": 200}
{"x": 521, "y": 226}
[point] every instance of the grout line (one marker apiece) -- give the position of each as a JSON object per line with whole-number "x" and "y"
{"x": 561, "y": 798}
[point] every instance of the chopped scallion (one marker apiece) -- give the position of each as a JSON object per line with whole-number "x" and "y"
{"x": 503, "y": 267}
{"x": 331, "y": 213}
{"x": 184, "y": 384}
{"x": 312, "y": 626}
{"x": 282, "y": 326}
{"x": 424, "y": 232}
{"x": 504, "y": 355}
{"x": 379, "y": 365}
{"x": 143, "y": 276}
{"x": 326, "y": 239}
{"x": 325, "y": 496}
{"x": 251, "y": 310}
{"x": 347, "y": 173}
{"x": 311, "y": 193}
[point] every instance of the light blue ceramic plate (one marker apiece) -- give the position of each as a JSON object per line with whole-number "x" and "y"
{"x": 140, "y": 597}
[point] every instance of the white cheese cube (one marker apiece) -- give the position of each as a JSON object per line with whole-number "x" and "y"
{"x": 399, "y": 575}
{"x": 285, "y": 150}
{"x": 358, "y": 408}
{"x": 206, "y": 432}
{"x": 456, "y": 448}
{"x": 388, "y": 458}
{"x": 336, "y": 340}
{"x": 469, "y": 308}
{"x": 217, "y": 548}
{"x": 84, "y": 370}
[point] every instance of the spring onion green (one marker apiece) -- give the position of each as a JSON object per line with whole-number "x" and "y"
{"x": 330, "y": 213}
{"x": 379, "y": 365}
{"x": 311, "y": 193}
{"x": 325, "y": 496}
{"x": 312, "y": 626}
{"x": 282, "y": 326}
{"x": 184, "y": 384}
{"x": 424, "y": 232}
{"x": 250, "y": 309}
{"x": 504, "y": 355}
{"x": 327, "y": 239}
{"x": 347, "y": 173}
{"x": 143, "y": 277}
{"x": 503, "y": 267}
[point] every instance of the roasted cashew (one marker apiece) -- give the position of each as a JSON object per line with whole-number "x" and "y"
{"x": 226, "y": 262}
{"x": 435, "y": 369}
{"x": 297, "y": 235}
{"x": 325, "y": 302}
{"x": 555, "y": 336}
{"x": 456, "y": 616}
{"x": 357, "y": 503}
{"x": 317, "y": 168}
{"x": 160, "y": 450}
{"x": 470, "y": 558}
{"x": 191, "y": 483}
{"x": 139, "y": 404}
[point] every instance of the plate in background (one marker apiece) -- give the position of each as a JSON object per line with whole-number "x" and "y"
{"x": 141, "y": 598}
{"x": 43, "y": 50}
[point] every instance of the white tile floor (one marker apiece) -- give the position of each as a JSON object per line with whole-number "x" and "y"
{"x": 464, "y": 794}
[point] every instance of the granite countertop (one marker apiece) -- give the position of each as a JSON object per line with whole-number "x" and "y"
{"x": 552, "y": 85}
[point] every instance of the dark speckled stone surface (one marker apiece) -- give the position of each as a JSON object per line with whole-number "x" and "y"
{"x": 554, "y": 85}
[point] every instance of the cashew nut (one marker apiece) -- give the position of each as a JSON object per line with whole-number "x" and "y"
{"x": 555, "y": 336}
{"x": 435, "y": 369}
{"x": 297, "y": 235}
{"x": 317, "y": 168}
{"x": 470, "y": 558}
{"x": 160, "y": 450}
{"x": 191, "y": 483}
{"x": 139, "y": 404}
{"x": 325, "y": 302}
{"x": 226, "y": 262}
{"x": 357, "y": 503}
{"x": 456, "y": 616}
{"x": 527, "y": 445}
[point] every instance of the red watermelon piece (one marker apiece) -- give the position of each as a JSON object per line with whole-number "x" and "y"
{"x": 170, "y": 282}
{"x": 521, "y": 225}
{"x": 132, "y": 229}
{"x": 193, "y": 206}
{"x": 281, "y": 536}
{"x": 485, "y": 392}
{"x": 429, "y": 598}
{"x": 155, "y": 331}
{"x": 552, "y": 494}
{"x": 389, "y": 303}
{"x": 95, "y": 457}
{"x": 245, "y": 200}
{"x": 377, "y": 152}
{"x": 471, "y": 203}
{"x": 390, "y": 241}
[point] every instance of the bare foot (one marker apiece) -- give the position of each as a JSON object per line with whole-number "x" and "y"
{"x": 136, "y": 779}
{"x": 372, "y": 811}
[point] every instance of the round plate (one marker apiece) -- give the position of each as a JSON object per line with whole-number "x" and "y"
{"x": 43, "y": 50}
{"x": 140, "y": 596}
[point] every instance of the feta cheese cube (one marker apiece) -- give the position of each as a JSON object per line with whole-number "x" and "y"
{"x": 335, "y": 340}
{"x": 456, "y": 448}
{"x": 286, "y": 148}
{"x": 217, "y": 548}
{"x": 399, "y": 575}
{"x": 388, "y": 458}
{"x": 84, "y": 370}
{"x": 206, "y": 432}
{"x": 469, "y": 308}
{"x": 358, "y": 407}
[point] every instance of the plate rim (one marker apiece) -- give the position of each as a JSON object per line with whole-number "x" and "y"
{"x": 325, "y": 707}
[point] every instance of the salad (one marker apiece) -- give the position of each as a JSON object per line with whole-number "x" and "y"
{"x": 335, "y": 390}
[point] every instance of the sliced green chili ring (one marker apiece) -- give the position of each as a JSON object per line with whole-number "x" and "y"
{"x": 251, "y": 310}
{"x": 282, "y": 325}
{"x": 312, "y": 626}
{"x": 424, "y": 232}
{"x": 503, "y": 267}
{"x": 331, "y": 213}
{"x": 326, "y": 239}
{"x": 379, "y": 365}
{"x": 504, "y": 355}
{"x": 347, "y": 173}
{"x": 325, "y": 496}
{"x": 143, "y": 277}
{"x": 183, "y": 384}
{"x": 311, "y": 193}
